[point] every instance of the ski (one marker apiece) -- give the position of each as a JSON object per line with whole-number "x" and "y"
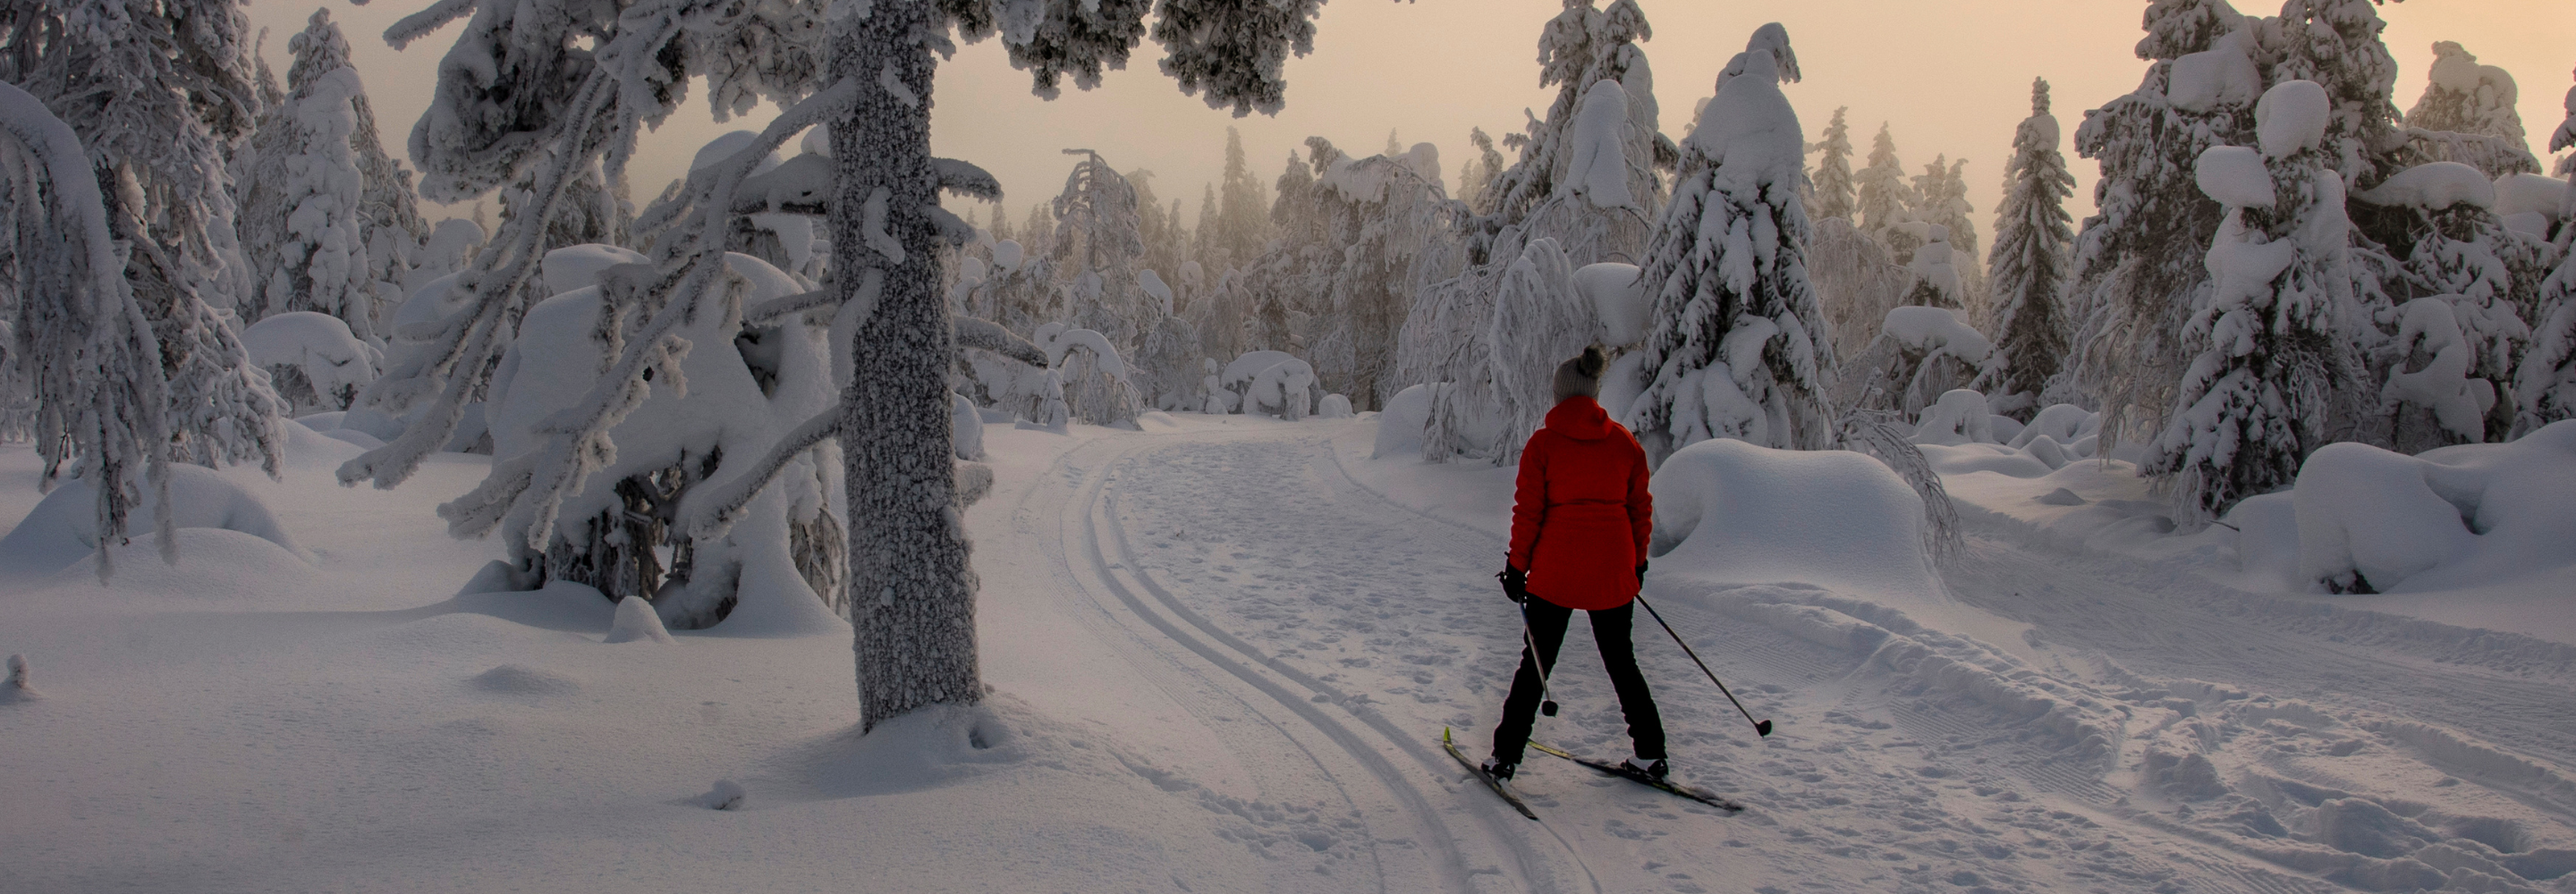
{"x": 1490, "y": 782}
{"x": 1701, "y": 795}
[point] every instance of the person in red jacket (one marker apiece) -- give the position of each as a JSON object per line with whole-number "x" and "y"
{"x": 1581, "y": 517}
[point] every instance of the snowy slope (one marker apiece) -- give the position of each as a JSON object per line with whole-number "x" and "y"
{"x": 1222, "y": 651}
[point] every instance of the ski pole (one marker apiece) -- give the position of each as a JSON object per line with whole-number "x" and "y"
{"x": 1761, "y": 727}
{"x": 1546, "y": 705}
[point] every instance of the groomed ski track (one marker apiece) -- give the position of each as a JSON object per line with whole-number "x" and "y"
{"x": 1323, "y": 634}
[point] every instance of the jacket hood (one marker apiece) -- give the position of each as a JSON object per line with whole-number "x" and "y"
{"x": 1580, "y": 418}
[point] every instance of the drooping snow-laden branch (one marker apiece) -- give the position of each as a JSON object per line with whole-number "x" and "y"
{"x": 713, "y": 509}
{"x": 100, "y": 388}
{"x": 498, "y": 282}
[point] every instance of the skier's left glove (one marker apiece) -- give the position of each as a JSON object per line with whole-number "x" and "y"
{"x": 1515, "y": 584}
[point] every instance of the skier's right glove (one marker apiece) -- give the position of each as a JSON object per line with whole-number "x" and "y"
{"x": 1515, "y": 584}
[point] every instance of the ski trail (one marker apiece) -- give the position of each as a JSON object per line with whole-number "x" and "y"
{"x": 1298, "y": 706}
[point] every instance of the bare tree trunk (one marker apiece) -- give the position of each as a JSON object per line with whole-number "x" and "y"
{"x": 912, "y": 591}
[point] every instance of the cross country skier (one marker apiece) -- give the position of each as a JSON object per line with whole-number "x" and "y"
{"x": 1580, "y": 520}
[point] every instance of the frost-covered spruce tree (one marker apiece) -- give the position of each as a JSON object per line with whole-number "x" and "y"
{"x": 1882, "y": 197}
{"x": 913, "y": 592}
{"x": 156, "y": 92}
{"x": 1098, "y": 239}
{"x": 1736, "y": 347}
{"x": 2027, "y": 272}
{"x": 1941, "y": 197}
{"x": 1578, "y": 49}
{"x": 1832, "y": 186}
{"x": 302, "y": 226}
{"x": 2271, "y": 333}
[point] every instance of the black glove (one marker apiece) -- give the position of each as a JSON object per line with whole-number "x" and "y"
{"x": 1641, "y": 568}
{"x": 1515, "y": 584}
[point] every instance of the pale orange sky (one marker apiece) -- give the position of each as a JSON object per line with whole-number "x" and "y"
{"x": 1950, "y": 78}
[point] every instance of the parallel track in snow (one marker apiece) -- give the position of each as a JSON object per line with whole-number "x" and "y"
{"x": 1371, "y": 763}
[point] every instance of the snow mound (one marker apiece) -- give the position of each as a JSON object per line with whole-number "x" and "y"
{"x": 2291, "y": 117}
{"x": 214, "y": 565}
{"x": 2433, "y": 187}
{"x": 319, "y": 344}
{"x": 578, "y": 266}
{"x": 17, "y": 689}
{"x": 2372, "y": 520}
{"x": 726, "y": 794}
{"x": 1959, "y": 417}
{"x": 2235, "y": 176}
{"x": 520, "y": 679}
{"x": 1401, "y": 423}
{"x": 1618, "y": 299}
{"x": 1729, "y": 512}
{"x": 63, "y": 528}
{"x": 636, "y": 621}
{"x": 1334, "y": 406}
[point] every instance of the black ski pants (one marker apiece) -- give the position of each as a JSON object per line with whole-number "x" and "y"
{"x": 1610, "y": 627}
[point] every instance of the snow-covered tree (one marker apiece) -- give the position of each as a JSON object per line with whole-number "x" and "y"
{"x": 1097, "y": 242}
{"x": 1578, "y": 49}
{"x": 302, "y": 227}
{"x": 2459, "y": 263}
{"x": 1833, "y": 189}
{"x": 2140, "y": 257}
{"x": 1736, "y": 346}
{"x": 2027, "y": 272}
{"x": 1243, "y": 227}
{"x": 154, "y": 93}
{"x": 2462, "y": 96}
{"x": 2545, "y": 386}
{"x": 81, "y": 333}
{"x": 1376, "y": 217}
{"x": 1941, "y": 197}
{"x": 2271, "y": 333}
{"x": 1882, "y": 196}
{"x": 1477, "y": 176}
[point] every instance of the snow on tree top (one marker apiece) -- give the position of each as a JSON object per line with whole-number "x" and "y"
{"x": 1600, "y": 168}
{"x": 1936, "y": 330}
{"x": 2290, "y": 117}
{"x": 2223, "y": 75}
{"x": 1748, "y": 129}
{"x": 2433, "y": 187}
{"x": 2234, "y": 175}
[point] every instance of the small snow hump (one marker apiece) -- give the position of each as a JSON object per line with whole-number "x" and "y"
{"x": 636, "y": 620}
{"x": 726, "y": 795}
{"x": 17, "y": 689}
{"x": 520, "y": 679}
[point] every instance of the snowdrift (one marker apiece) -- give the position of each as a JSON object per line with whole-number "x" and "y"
{"x": 1728, "y": 512}
{"x": 63, "y": 529}
{"x": 2369, "y": 520}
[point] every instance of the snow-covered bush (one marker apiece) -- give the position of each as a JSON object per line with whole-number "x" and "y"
{"x": 1273, "y": 382}
{"x": 1539, "y": 321}
{"x": 1920, "y": 353}
{"x": 710, "y": 417}
{"x": 315, "y": 361}
{"x": 2370, "y": 520}
{"x": 1092, "y": 382}
{"x": 1959, "y": 417}
{"x": 1334, "y": 406}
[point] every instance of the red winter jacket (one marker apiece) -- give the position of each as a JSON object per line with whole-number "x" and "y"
{"x": 1581, "y": 516}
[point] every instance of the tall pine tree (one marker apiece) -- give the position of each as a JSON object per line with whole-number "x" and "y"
{"x": 1883, "y": 195}
{"x": 2028, "y": 267}
{"x": 1832, "y": 182}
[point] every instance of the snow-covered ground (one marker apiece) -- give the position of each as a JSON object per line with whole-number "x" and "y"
{"x": 1223, "y": 651}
